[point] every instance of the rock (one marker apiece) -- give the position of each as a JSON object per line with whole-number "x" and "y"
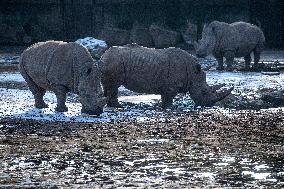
{"x": 95, "y": 46}
{"x": 114, "y": 36}
{"x": 189, "y": 34}
{"x": 275, "y": 98}
{"x": 141, "y": 35}
{"x": 12, "y": 34}
{"x": 164, "y": 38}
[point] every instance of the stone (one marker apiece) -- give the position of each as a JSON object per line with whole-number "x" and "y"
{"x": 114, "y": 36}
{"x": 163, "y": 37}
{"x": 141, "y": 35}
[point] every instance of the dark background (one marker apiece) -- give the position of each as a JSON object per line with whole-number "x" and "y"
{"x": 28, "y": 21}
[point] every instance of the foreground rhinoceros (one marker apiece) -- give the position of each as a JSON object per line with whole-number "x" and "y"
{"x": 238, "y": 39}
{"x": 157, "y": 71}
{"x": 63, "y": 67}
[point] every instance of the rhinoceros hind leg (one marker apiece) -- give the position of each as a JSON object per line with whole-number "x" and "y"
{"x": 39, "y": 102}
{"x": 112, "y": 93}
{"x": 60, "y": 92}
{"x": 167, "y": 100}
{"x": 247, "y": 61}
{"x": 37, "y": 91}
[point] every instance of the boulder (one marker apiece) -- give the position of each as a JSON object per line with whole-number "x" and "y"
{"x": 95, "y": 46}
{"x": 141, "y": 35}
{"x": 163, "y": 37}
{"x": 114, "y": 36}
{"x": 13, "y": 34}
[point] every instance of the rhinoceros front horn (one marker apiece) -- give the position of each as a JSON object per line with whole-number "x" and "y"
{"x": 222, "y": 94}
{"x": 217, "y": 87}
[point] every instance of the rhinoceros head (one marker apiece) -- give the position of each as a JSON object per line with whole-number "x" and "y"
{"x": 206, "y": 45}
{"x": 90, "y": 89}
{"x": 204, "y": 95}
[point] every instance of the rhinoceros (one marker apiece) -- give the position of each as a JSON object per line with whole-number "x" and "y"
{"x": 238, "y": 39}
{"x": 156, "y": 71}
{"x": 63, "y": 67}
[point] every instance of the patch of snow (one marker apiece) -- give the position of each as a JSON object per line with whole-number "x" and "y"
{"x": 147, "y": 99}
{"x": 20, "y": 104}
{"x": 245, "y": 80}
{"x": 258, "y": 176}
{"x": 9, "y": 59}
{"x": 17, "y": 77}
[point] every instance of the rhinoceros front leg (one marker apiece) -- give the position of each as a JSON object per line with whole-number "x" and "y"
{"x": 247, "y": 61}
{"x": 256, "y": 54}
{"x": 167, "y": 100}
{"x": 60, "y": 92}
{"x": 112, "y": 93}
{"x": 229, "y": 55}
{"x": 220, "y": 63}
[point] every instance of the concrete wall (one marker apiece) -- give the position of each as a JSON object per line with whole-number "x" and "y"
{"x": 27, "y": 21}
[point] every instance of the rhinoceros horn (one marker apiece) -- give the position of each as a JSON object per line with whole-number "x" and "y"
{"x": 217, "y": 87}
{"x": 222, "y": 94}
{"x": 209, "y": 96}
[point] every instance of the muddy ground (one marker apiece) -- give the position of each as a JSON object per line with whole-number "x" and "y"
{"x": 237, "y": 144}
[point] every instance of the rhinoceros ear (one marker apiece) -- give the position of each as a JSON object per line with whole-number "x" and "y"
{"x": 195, "y": 45}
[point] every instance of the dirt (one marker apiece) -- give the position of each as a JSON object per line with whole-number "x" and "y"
{"x": 235, "y": 149}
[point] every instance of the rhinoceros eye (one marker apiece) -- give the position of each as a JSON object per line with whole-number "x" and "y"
{"x": 198, "y": 68}
{"x": 89, "y": 71}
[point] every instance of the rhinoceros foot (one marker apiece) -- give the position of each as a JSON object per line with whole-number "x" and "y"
{"x": 114, "y": 104}
{"x": 220, "y": 68}
{"x": 61, "y": 109}
{"x": 41, "y": 105}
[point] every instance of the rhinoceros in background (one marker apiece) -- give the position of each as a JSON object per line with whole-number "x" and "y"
{"x": 238, "y": 39}
{"x": 156, "y": 71}
{"x": 63, "y": 67}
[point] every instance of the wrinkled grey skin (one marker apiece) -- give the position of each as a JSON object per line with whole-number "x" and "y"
{"x": 238, "y": 39}
{"x": 156, "y": 71}
{"x": 63, "y": 67}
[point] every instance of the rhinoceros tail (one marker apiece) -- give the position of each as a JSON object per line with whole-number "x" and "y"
{"x": 261, "y": 42}
{"x": 23, "y": 71}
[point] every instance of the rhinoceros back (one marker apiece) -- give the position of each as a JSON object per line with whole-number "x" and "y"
{"x": 148, "y": 70}
{"x": 249, "y": 37}
{"x": 54, "y": 62}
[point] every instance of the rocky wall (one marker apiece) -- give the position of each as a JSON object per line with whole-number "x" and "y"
{"x": 28, "y": 21}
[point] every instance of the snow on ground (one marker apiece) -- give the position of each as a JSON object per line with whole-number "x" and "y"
{"x": 20, "y": 103}
{"x": 241, "y": 80}
{"x": 10, "y": 59}
{"x": 16, "y": 77}
{"x": 246, "y": 80}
